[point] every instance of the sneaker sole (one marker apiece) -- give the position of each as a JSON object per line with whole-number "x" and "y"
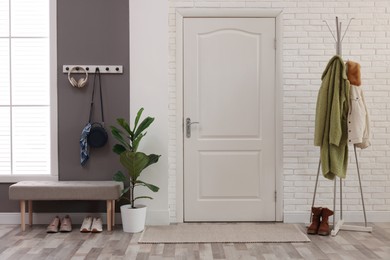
{"x": 65, "y": 231}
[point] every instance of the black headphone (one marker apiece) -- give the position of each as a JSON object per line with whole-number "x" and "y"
{"x": 82, "y": 81}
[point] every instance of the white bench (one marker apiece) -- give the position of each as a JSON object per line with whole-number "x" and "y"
{"x": 65, "y": 190}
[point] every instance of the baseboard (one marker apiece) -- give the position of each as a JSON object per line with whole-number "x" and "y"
{"x": 350, "y": 216}
{"x": 161, "y": 217}
{"x": 152, "y": 217}
{"x": 45, "y": 218}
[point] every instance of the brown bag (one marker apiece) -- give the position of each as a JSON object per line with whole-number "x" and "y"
{"x": 353, "y": 73}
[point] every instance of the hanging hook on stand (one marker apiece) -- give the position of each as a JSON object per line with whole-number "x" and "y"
{"x": 330, "y": 30}
{"x": 338, "y": 39}
{"x": 350, "y": 20}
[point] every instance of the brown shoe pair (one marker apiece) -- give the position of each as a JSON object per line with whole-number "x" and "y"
{"x": 65, "y": 225}
{"x": 320, "y": 221}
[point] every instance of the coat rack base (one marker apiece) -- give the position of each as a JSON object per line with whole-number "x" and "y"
{"x": 340, "y": 223}
{"x": 340, "y": 226}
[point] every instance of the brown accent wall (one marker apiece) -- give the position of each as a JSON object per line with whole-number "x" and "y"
{"x": 88, "y": 32}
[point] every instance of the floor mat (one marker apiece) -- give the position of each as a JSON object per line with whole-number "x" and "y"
{"x": 223, "y": 233}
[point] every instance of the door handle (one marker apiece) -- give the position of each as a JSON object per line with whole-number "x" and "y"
{"x": 188, "y": 126}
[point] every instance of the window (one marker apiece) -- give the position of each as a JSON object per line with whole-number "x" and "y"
{"x": 28, "y": 108}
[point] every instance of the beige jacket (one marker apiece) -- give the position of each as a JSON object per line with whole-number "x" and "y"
{"x": 358, "y": 120}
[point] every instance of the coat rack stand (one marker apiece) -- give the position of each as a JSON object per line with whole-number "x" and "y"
{"x": 340, "y": 224}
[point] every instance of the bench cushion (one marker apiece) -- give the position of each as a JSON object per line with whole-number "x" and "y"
{"x": 65, "y": 190}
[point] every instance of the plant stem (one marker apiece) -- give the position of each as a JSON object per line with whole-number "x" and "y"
{"x": 132, "y": 195}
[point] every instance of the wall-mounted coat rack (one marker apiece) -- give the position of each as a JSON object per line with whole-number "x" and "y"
{"x": 104, "y": 69}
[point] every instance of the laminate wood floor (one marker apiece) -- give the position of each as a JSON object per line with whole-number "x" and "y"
{"x": 35, "y": 243}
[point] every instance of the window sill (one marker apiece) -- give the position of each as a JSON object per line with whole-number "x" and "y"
{"x": 13, "y": 178}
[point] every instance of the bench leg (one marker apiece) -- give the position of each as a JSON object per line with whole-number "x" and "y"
{"x": 22, "y": 212}
{"x": 113, "y": 213}
{"x": 30, "y": 215}
{"x": 109, "y": 215}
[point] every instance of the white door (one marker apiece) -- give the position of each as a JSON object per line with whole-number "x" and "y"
{"x": 229, "y": 88}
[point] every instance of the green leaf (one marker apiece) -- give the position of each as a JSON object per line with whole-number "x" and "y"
{"x": 125, "y": 126}
{"x": 119, "y": 176}
{"x": 142, "y": 197}
{"x": 125, "y": 191}
{"x": 134, "y": 162}
{"x": 118, "y": 149}
{"x": 145, "y": 124}
{"x": 153, "y": 158}
{"x": 139, "y": 113}
{"x": 125, "y": 195}
{"x": 136, "y": 142}
{"x": 150, "y": 186}
{"x": 118, "y": 134}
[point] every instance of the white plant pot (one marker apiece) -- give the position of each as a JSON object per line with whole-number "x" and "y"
{"x": 133, "y": 220}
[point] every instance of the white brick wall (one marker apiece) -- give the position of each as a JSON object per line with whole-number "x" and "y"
{"x": 307, "y": 47}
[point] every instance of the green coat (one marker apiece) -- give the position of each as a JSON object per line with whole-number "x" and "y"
{"x": 331, "y": 124}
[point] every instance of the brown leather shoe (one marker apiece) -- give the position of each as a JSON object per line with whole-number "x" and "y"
{"x": 315, "y": 221}
{"x": 324, "y": 229}
{"x": 66, "y": 224}
{"x": 54, "y": 225}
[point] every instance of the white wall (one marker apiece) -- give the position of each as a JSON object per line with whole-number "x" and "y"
{"x": 307, "y": 46}
{"x": 148, "y": 89}
{"x": 306, "y": 49}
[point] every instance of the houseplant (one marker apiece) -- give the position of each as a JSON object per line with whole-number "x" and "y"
{"x": 133, "y": 216}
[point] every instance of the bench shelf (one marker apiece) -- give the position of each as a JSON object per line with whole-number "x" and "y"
{"x": 29, "y": 191}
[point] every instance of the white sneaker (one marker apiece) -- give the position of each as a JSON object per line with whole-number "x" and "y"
{"x": 86, "y": 226}
{"x": 97, "y": 225}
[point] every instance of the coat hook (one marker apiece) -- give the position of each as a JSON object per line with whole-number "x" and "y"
{"x": 107, "y": 68}
{"x": 67, "y": 68}
{"x": 87, "y": 68}
{"x": 117, "y": 69}
{"x": 330, "y": 30}
{"x": 350, "y": 20}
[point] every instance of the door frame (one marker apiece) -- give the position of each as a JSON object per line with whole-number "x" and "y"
{"x": 181, "y": 14}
